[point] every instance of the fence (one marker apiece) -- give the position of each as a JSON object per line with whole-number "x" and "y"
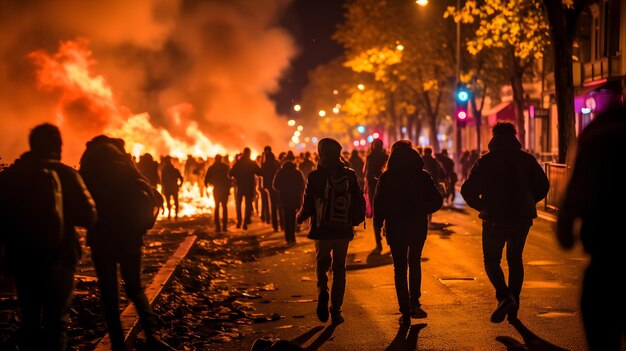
{"x": 558, "y": 175}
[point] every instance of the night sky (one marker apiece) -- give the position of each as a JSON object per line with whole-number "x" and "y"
{"x": 312, "y": 23}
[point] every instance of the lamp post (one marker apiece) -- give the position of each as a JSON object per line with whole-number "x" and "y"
{"x": 457, "y": 75}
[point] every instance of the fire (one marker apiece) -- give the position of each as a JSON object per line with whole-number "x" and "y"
{"x": 70, "y": 72}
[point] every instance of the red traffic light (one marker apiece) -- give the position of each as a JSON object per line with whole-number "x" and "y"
{"x": 461, "y": 115}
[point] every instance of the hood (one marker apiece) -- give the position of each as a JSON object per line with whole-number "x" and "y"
{"x": 330, "y": 152}
{"x": 405, "y": 159}
{"x": 504, "y": 142}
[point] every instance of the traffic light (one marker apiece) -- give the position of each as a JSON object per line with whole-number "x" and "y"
{"x": 462, "y": 98}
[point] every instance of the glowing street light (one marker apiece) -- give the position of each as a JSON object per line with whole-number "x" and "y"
{"x": 421, "y": 2}
{"x": 376, "y": 135}
{"x": 335, "y": 110}
{"x": 297, "y": 107}
{"x": 361, "y": 87}
{"x": 400, "y": 47}
{"x": 322, "y": 113}
{"x": 291, "y": 122}
{"x": 300, "y": 128}
{"x": 335, "y": 92}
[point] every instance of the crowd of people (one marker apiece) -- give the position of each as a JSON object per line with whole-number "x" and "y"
{"x": 334, "y": 190}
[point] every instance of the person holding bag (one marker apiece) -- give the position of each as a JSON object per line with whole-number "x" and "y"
{"x": 405, "y": 195}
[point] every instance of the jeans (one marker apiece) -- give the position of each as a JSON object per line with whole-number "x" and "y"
{"x": 407, "y": 255}
{"x": 44, "y": 295}
{"x": 169, "y": 197}
{"x": 289, "y": 215}
{"x": 338, "y": 248}
{"x": 105, "y": 263}
{"x": 223, "y": 203}
{"x": 248, "y": 207}
{"x": 371, "y": 190}
{"x": 495, "y": 236}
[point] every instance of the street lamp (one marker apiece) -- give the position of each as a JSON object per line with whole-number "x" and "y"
{"x": 421, "y": 2}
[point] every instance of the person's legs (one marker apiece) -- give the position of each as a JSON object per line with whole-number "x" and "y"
{"x": 265, "y": 206}
{"x": 493, "y": 243}
{"x": 168, "y": 203}
{"x": 274, "y": 205}
{"x": 224, "y": 205}
{"x": 248, "y": 210}
{"x": 238, "y": 201}
{"x": 290, "y": 224}
{"x": 323, "y": 261}
{"x": 514, "y": 250}
{"x": 106, "y": 270}
{"x": 28, "y": 285}
{"x": 216, "y": 212}
{"x": 339, "y": 251}
{"x": 371, "y": 188}
{"x": 59, "y": 286}
{"x": 399, "y": 256}
{"x": 176, "y": 205}
{"x": 130, "y": 268}
{"x": 415, "y": 273}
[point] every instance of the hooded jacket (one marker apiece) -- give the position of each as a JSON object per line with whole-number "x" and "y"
{"x": 405, "y": 195}
{"x": 506, "y": 183}
{"x": 289, "y": 182}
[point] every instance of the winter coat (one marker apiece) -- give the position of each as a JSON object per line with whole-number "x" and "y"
{"x": 245, "y": 171}
{"x": 171, "y": 179}
{"x": 315, "y": 187}
{"x": 374, "y": 163}
{"x": 404, "y": 197}
{"x": 78, "y": 210}
{"x": 217, "y": 175}
{"x": 289, "y": 182}
{"x": 268, "y": 170}
{"x": 506, "y": 183}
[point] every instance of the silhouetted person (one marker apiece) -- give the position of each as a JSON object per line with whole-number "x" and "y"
{"x": 465, "y": 164}
{"x": 329, "y": 190}
{"x": 149, "y": 168}
{"x": 289, "y": 185}
{"x": 268, "y": 170}
{"x": 505, "y": 185}
{"x": 43, "y": 252}
{"x": 358, "y": 165}
{"x": 217, "y": 176}
{"x": 405, "y": 195}
{"x": 450, "y": 174}
{"x": 374, "y": 163}
{"x": 117, "y": 238}
{"x": 307, "y": 165}
{"x": 245, "y": 171}
{"x": 592, "y": 210}
{"x": 171, "y": 180}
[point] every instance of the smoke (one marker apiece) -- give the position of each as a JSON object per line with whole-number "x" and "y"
{"x": 198, "y": 69}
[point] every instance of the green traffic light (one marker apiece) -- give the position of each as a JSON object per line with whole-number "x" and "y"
{"x": 462, "y": 95}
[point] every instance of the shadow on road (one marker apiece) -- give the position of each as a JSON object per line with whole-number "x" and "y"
{"x": 404, "y": 342}
{"x": 373, "y": 260}
{"x": 322, "y": 338}
{"x": 532, "y": 342}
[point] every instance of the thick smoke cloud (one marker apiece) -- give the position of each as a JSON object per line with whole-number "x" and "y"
{"x": 221, "y": 57}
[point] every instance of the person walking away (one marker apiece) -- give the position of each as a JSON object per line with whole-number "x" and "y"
{"x": 172, "y": 181}
{"x": 217, "y": 176}
{"x": 357, "y": 164}
{"x": 436, "y": 170}
{"x": 504, "y": 185}
{"x": 307, "y": 165}
{"x": 590, "y": 213}
{"x": 268, "y": 170}
{"x": 451, "y": 176}
{"x": 41, "y": 202}
{"x": 374, "y": 163}
{"x": 289, "y": 184}
{"x": 245, "y": 171}
{"x": 120, "y": 193}
{"x": 149, "y": 168}
{"x": 334, "y": 202}
{"x": 404, "y": 196}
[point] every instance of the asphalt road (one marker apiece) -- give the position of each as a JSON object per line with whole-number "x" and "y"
{"x": 456, "y": 294}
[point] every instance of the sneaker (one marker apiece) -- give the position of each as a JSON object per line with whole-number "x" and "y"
{"x": 405, "y": 320}
{"x": 504, "y": 307}
{"x": 336, "y": 317}
{"x": 418, "y": 312}
{"x": 322, "y": 307}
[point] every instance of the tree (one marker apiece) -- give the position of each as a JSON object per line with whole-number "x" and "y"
{"x": 518, "y": 28}
{"x": 563, "y": 16}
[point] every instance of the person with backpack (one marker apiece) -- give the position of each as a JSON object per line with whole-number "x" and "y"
{"x": 289, "y": 184}
{"x": 41, "y": 202}
{"x": 374, "y": 163}
{"x": 405, "y": 195}
{"x": 505, "y": 185}
{"x": 217, "y": 176}
{"x": 335, "y": 203}
{"x": 127, "y": 207}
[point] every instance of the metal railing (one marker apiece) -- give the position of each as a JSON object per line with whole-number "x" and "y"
{"x": 558, "y": 175}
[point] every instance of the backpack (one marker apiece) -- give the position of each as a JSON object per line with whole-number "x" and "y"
{"x": 143, "y": 203}
{"x": 34, "y": 198}
{"x": 337, "y": 209}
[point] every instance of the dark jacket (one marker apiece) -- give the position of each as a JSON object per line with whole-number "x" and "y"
{"x": 404, "y": 196}
{"x": 268, "y": 170}
{"x": 78, "y": 210}
{"x": 245, "y": 171}
{"x": 374, "y": 163}
{"x": 171, "y": 179}
{"x": 289, "y": 183}
{"x": 506, "y": 183}
{"x": 315, "y": 187}
{"x": 149, "y": 169}
{"x": 109, "y": 174}
{"x": 217, "y": 175}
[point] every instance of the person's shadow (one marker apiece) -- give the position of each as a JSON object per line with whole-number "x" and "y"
{"x": 404, "y": 342}
{"x": 322, "y": 338}
{"x": 532, "y": 342}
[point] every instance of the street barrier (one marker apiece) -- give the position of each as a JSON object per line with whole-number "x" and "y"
{"x": 558, "y": 175}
